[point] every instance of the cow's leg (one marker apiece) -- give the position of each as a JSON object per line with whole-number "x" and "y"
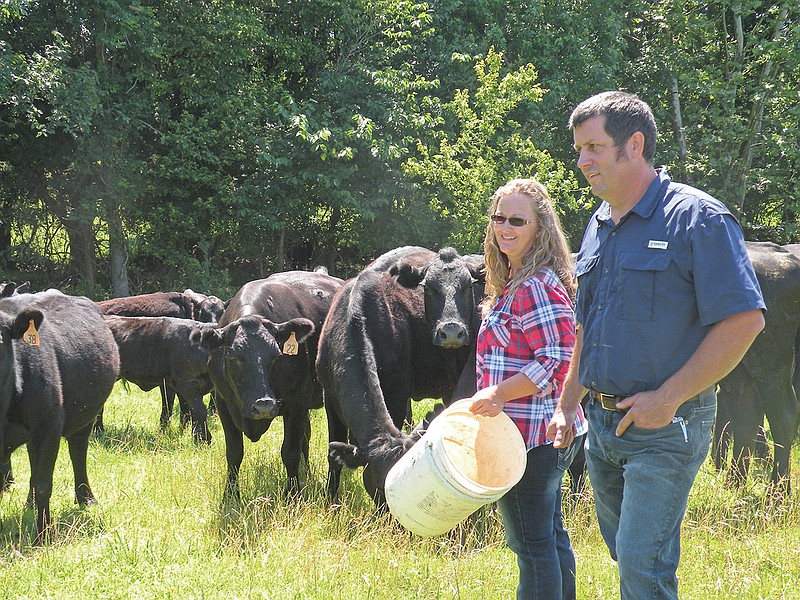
{"x": 99, "y": 426}
{"x": 199, "y": 416}
{"x": 722, "y": 438}
{"x": 296, "y": 428}
{"x": 186, "y": 409}
{"x": 783, "y": 413}
{"x": 14, "y": 436}
{"x": 78, "y": 444}
{"x": 743, "y": 407}
{"x": 396, "y": 396}
{"x": 190, "y": 396}
{"x": 167, "y": 402}
{"x": 6, "y": 476}
{"x": 42, "y": 453}
{"x": 234, "y": 450}
{"x": 577, "y": 471}
{"x": 337, "y": 432}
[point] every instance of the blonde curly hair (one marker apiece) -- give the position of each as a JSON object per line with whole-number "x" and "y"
{"x": 550, "y": 248}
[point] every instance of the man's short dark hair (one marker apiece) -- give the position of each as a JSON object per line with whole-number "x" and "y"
{"x": 625, "y": 114}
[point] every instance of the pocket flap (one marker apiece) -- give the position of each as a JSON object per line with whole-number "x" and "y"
{"x": 645, "y": 261}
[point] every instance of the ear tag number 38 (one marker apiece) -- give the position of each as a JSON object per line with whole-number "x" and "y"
{"x": 31, "y": 336}
{"x": 290, "y": 347}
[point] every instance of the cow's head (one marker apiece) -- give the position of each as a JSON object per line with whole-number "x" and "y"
{"x": 450, "y": 282}
{"x": 377, "y": 459}
{"x": 206, "y": 309}
{"x": 245, "y": 354}
{"x": 209, "y": 310}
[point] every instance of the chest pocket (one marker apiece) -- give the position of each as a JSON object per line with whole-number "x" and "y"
{"x": 638, "y": 281}
{"x": 584, "y": 275}
{"x": 497, "y": 330}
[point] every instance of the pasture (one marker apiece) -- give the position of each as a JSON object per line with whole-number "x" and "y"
{"x": 160, "y": 530}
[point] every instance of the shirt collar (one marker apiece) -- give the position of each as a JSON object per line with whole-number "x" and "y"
{"x": 648, "y": 203}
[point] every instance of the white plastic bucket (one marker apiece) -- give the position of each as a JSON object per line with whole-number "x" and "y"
{"x": 461, "y": 463}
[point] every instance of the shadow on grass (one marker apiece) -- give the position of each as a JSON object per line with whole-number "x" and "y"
{"x": 18, "y": 530}
{"x": 132, "y": 438}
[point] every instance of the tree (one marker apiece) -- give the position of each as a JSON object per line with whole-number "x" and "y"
{"x": 730, "y": 104}
{"x": 484, "y": 148}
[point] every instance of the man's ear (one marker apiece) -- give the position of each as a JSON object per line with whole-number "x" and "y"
{"x": 636, "y": 144}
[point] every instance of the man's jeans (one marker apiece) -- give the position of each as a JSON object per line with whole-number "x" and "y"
{"x": 641, "y": 484}
{"x": 534, "y": 528}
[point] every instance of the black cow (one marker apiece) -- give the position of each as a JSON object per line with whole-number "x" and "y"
{"x": 156, "y": 304}
{"x": 52, "y": 389}
{"x": 207, "y": 309}
{"x": 153, "y": 350}
{"x": 763, "y": 382}
{"x": 262, "y": 364}
{"x": 403, "y": 328}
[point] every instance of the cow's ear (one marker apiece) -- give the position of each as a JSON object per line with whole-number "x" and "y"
{"x": 408, "y": 275}
{"x": 23, "y": 321}
{"x": 346, "y": 455}
{"x": 209, "y": 338}
{"x": 476, "y": 266}
{"x": 302, "y": 328}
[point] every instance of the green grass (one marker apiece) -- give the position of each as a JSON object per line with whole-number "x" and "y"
{"x": 161, "y": 530}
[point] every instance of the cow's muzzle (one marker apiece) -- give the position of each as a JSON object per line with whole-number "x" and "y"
{"x": 451, "y": 335}
{"x": 264, "y": 408}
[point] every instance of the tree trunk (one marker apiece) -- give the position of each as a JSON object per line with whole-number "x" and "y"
{"x": 118, "y": 257}
{"x": 279, "y": 253}
{"x": 757, "y": 111}
{"x": 82, "y": 258}
{"x": 677, "y": 122}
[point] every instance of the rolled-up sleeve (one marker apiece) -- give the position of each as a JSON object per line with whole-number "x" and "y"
{"x": 548, "y": 325}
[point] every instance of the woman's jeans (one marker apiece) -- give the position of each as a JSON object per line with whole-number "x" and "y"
{"x": 641, "y": 484}
{"x": 532, "y": 519}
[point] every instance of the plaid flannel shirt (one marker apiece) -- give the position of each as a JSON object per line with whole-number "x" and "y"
{"x": 532, "y": 332}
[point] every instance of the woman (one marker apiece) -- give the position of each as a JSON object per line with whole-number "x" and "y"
{"x": 524, "y": 348}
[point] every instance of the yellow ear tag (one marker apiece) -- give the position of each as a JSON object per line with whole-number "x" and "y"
{"x": 31, "y": 336}
{"x": 290, "y": 347}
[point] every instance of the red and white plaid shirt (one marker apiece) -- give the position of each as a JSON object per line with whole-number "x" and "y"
{"x": 532, "y": 332}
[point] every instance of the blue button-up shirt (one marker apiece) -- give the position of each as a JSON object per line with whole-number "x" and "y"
{"x": 651, "y": 286}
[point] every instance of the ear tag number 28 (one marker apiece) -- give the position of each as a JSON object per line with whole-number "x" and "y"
{"x": 290, "y": 347}
{"x": 31, "y": 336}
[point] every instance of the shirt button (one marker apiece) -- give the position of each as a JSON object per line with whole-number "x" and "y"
{"x": 600, "y": 307}
{"x": 605, "y": 270}
{"x": 594, "y": 344}
{"x": 613, "y": 233}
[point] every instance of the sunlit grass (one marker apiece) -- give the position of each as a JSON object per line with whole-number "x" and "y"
{"x": 162, "y": 530}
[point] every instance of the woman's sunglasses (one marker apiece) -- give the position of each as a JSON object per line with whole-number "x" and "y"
{"x": 513, "y": 221}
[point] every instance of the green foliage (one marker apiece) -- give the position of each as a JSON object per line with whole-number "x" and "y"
{"x": 216, "y": 142}
{"x": 463, "y": 169}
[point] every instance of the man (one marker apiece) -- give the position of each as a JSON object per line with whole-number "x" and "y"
{"x": 667, "y": 305}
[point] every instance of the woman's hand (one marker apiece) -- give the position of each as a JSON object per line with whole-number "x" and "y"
{"x": 487, "y": 402}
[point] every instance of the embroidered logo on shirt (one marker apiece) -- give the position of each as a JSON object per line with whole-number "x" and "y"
{"x": 657, "y": 244}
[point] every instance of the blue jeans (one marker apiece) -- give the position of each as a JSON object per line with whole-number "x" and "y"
{"x": 532, "y": 518}
{"x": 641, "y": 484}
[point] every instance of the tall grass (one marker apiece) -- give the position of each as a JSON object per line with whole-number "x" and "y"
{"x": 161, "y": 530}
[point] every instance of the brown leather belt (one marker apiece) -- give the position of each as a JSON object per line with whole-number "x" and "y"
{"x": 608, "y": 401}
